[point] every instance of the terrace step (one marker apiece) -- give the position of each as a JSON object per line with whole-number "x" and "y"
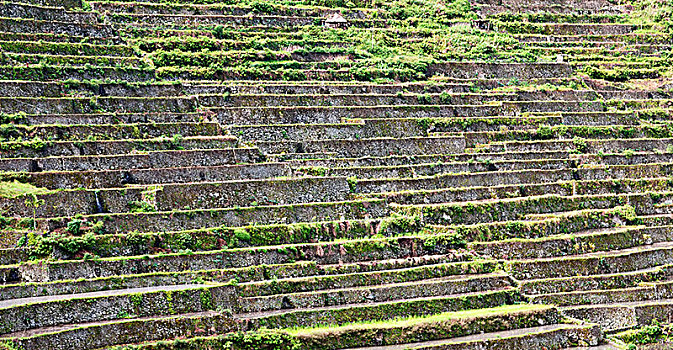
{"x": 365, "y": 129}
{"x": 522, "y": 338}
{"x": 338, "y": 314}
{"x": 592, "y": 118}
{"x": 83, "y": 49}
{"x": 533, "y": 228}
{"x": 582, "y": 42}
{"x": 627, "y": 50}
{"x": 358, "y": 261}
{"x": 595, "y": 282}
{"x": 627, "y": 157}
{"x": 457, "y": 324}
{"x": 94, "y": 335}
{"x": 38, "y": 148}
{"x": 555, "y": 12}
{"x": 504, "y": 191}
{"x": 11, "y": 256}
{"x": 114, "y": 118}
{"x": 506, "y": 209}
{"x": 373, "y": 293}
{"x": 468, "y": 157}
{"x": 132, "y": 280}
{"x": 398, "y": 127}
{"x": 8, "y": 303}
{"x": 57, "y": 72}
{"x": 343, "y": 277}
{"x": 179, "y": 220}
{"x": 442, "y": 326}
{"x": 195, "y": 21}
{"x": 621, "y": 316}
{"x": 492, "y": 177}
{"x": 193, "y": 195}
{"x": 580, "y": 5}
{"x": 483, "y": 70}
{"x": 608, "y": 346}
{"x": 329, "y": 71}
{"x": 117, "y": 132}
{"x": 647, "y": 292}
{"x": 93, "y": 30}
{"x": 153, "y": 7}
{"x": 617, "y": 38}
{"x": 453, "y": 264}
{"x": 17, "y": 88}
{"x": 106, "y": 61}
{"x": 570, "y": 28}
{"x": 587, "y": 241}
{"x": 330, "y": 88}
{"x": 23, "y": 10}
{"x": 95, "y": 179}
{"x": 57, "y": 38}
{"x": 657, "y": 219}
{"x": 102, "y": 306}
{"x": 432, "y": 169}
{"x": 334, "y": 114}
{"x": 97, "y": 104}
{"x": 85, "y": 105}
{"x": 378, "y": 147}
{"x": 208, "y": 239}
{"x": 617, "y": 261}
{"x": 608, "y": 145}
{"x": 226, "y": 41}
{"x": 145, "y": 160}
{"x": 304, "y": 55}
{"x": 570, "y": 137}
{"x": 260, "y": 100}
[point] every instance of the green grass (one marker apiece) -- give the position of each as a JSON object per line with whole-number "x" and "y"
{"x": 656, "y": 332}
{"x": 15, "y": 189}
{"x": 411, "y": 321}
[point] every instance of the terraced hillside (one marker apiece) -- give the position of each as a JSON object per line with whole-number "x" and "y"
{"x": 429, "y": 174}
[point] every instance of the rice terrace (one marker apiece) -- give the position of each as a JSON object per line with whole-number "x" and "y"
{"x": 336, "y": 174}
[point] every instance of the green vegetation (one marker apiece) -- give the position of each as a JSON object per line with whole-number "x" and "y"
{"x": 413, "y": 321}
{"x": 12, "y": 189}
{"x": 656, "y": 332}
{"x": 248, "y": 175}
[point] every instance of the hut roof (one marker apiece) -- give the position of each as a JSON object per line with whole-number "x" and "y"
{"x": 336, "y": 18}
